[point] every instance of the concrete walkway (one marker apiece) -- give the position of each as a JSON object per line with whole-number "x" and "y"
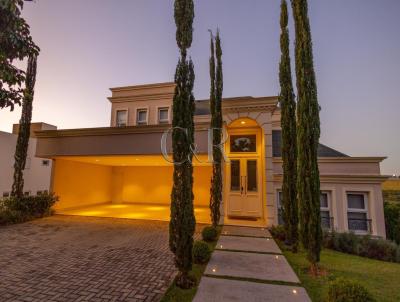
{"x": 246, "y": 266}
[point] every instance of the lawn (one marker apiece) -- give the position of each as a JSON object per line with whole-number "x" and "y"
{"x": 176, "y": 294}
{"x": 379, "y": 277}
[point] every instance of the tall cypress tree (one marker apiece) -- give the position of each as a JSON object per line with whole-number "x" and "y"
{"x": 216, "y": 78}
{"x": 289, "y": 146}
{"x": 24, "y": 128}
{"x": 308, "y": 133}
{"x": 182, "y": 223}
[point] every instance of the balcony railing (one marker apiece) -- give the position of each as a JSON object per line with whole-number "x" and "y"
{"x": 360, "y": 225}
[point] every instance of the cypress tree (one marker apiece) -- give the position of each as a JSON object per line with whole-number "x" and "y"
{"x": 182, "y": 223}
{"x": 24, "y": 128}
{"x": 308, "y": 133}
{"x": 216, "y": 126}
{"x": 289, "y": 147}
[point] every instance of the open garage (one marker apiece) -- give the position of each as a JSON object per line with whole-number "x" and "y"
{"x": 136, "y": 187}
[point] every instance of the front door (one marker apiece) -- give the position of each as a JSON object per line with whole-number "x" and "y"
{"x": 244, "y": 180}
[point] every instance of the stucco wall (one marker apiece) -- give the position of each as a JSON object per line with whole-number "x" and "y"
{"x": 337, "y": 192}
{"x": 36, "y": 175}
{"x": 153, "y": 184}
{"x": 79, "y": 184}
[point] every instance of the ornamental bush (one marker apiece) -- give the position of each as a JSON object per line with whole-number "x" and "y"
{"x": 209, "y": 233}
{"x": 392, "y": 221}
{"x": 15, "y": 210}
{"x": 364, "y": 246}
{"x": 278, "y": 232}
{"x": 201, "y": 252}
{"x": 342, "y": 290}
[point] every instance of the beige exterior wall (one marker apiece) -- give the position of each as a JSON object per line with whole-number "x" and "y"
{"x": 36, "y": 175}
{"x": 149, "y": 97}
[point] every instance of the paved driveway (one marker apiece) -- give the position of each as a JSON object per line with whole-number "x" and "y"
{"x": 67, "y": 258}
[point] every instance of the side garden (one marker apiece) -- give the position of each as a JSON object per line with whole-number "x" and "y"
{"x": 202, "y": 250}
{"x": 353, "y": 268}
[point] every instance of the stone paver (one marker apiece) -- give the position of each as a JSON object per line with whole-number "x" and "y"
{"x": 245, "y": 231}
{"x": 251, "y": 265}
{"x": 250, "y": 244}
{"x": 66, "y": 258}
{"x": 224, "y": 290}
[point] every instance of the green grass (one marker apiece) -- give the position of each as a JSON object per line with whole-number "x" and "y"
{"x": 176, "y": 294}
{"x": 379, "y": 277}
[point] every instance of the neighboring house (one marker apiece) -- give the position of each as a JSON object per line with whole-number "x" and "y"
{"x": 123, "y": 163}
{"x": 37, "y": 171}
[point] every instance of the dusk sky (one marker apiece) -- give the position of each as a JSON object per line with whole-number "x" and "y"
{"x": 92, "y": 45}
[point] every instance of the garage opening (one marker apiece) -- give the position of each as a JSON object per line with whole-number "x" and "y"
{"x": 135, "y": 187}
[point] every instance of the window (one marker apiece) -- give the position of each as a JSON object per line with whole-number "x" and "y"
{"x": 326, "y": 222}
{"x": 280, "y": 208}
{"x": 357, "y": 212}
{"x": 45, "y": 162}
{"x": 6, "y": 194}
{"x": 122, "y": 118}
{"x": 243, "y": 143}
{"x": 27, "y": 193}
{"x": 163, "y": 115}
{"x": 141, "y": 117}
{"x": 235, "y": 175}
{"x": 38, "y": 193}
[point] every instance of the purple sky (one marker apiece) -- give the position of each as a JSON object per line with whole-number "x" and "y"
{"x": 89, "y": 46}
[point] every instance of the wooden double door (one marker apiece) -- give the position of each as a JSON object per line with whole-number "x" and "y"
{"x": 244, "y": 191}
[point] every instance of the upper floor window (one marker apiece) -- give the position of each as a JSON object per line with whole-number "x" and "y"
{"x": 28, "y": 163}
{"x": 122, "y": 118}
{"x": 45, "y": 162}
{"x": 141, "y": 117}
{"x": 6, "y": 194}
{"x": 163, "y": 115}
{"x": 324, "y": 201}
{"x": 357, "y": 212}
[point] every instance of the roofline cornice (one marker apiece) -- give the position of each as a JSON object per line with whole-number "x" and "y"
{"x": 340, "y": 178}
{"x": 344, "y": 159}
{"x": 201, "y": 126}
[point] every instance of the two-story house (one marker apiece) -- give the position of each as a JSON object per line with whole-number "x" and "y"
{"x": 119, "y": 171}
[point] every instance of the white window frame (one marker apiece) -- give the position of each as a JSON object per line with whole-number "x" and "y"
{"x": 353, "y": 210}
{"x": 147, "y": 116}
{"x": 328, "y": 208}
{"x": 158, "y": 115}
{"x": 116, "y": 116}
{"x": 28, "y": 163}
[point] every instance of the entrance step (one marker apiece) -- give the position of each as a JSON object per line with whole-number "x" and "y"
{"x": 231, "y": 230}
{"x": 225, "y": 290}
{"x": 265, "y": 267}
{"x": 248, "y": 244}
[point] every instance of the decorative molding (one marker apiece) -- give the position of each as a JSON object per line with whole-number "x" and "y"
{"x": 366, "y": 159}
{"x": 368, "y": 179}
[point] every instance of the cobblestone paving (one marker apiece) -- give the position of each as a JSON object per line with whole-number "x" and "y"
{"x": 67, "y": 258}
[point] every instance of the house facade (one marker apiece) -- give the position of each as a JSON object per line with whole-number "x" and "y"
{"x": 123, "y": 165}
{"x": 37, "y": 171}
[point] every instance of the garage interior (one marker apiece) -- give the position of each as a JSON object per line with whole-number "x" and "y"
{"x": 132, "y": 187}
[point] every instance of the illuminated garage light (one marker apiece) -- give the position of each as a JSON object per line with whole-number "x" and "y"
{"x": 243, "y": 122}
{"x": 294, "y": 291}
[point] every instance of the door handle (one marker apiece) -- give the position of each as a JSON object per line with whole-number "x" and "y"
{"x": 241, "y": 185}
{"x": 245, "y": 185}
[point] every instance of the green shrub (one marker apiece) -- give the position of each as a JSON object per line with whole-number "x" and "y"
{"x": 278, "y": 232}
{"x": 201, "y": 252}
{"x": 379, "y": 249}
{"x": 15, "y": 210}
{"x": 342, "y": 290}
{"x": 346, "y": 243}
{"x": 392, "y": 221}
{"x": 209, "y": 233}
